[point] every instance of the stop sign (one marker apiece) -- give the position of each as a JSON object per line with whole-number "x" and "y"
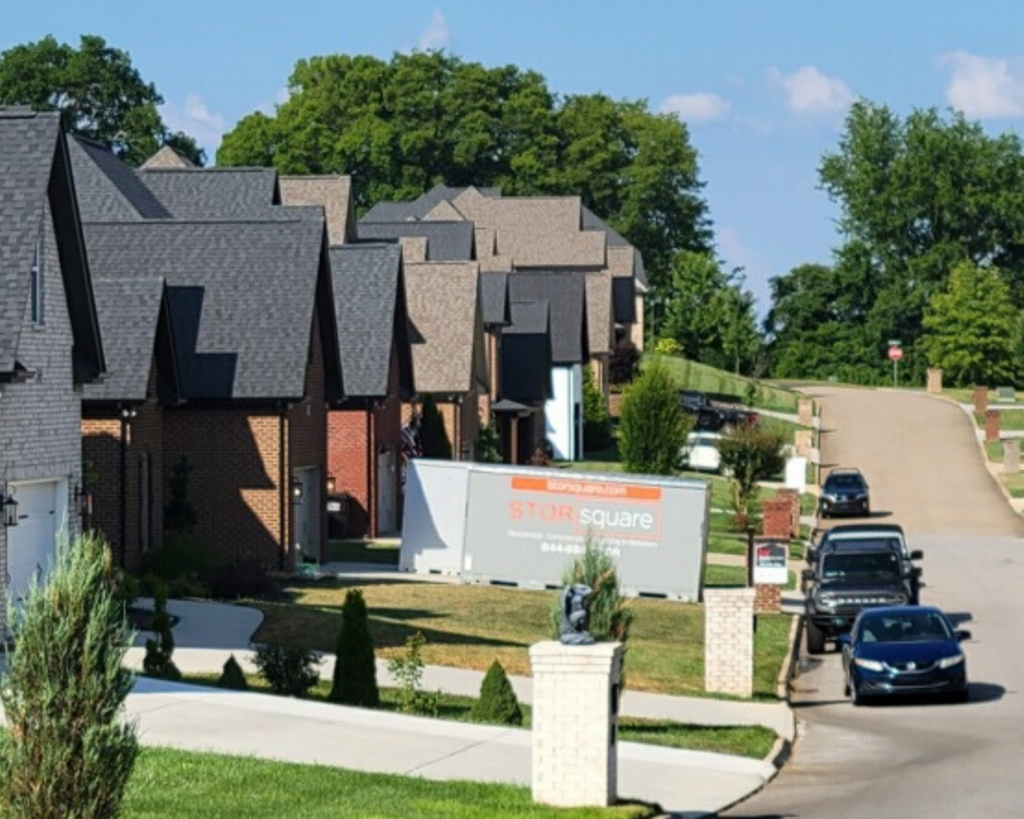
{"x": 895, "y": 353}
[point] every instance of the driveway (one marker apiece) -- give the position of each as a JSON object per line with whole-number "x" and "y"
{"x": 922, "y": 460}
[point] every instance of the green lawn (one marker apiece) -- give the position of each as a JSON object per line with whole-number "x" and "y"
{"x": 171, "y": 784}
{"x": 364, "y": 551}
{"x": 691, "y": 375}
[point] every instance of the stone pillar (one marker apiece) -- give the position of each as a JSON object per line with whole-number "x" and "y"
{"x": 805, "y": 411}
{"x": 803, "y": 442}
{"x": 729, "y": 641}
{"x": 794, "y": 512}
{"x": 991, "y": 425}
{"x": 777, "y": 518}
{"x": 934, "y": 381}
{"x": 575, "y": 723}
{"x": 1011, "y": 456}
{"x": 980, "y": 399}
{"x": 767, "y": 599}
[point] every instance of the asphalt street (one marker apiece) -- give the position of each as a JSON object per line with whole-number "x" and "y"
{"x": 923, "y": 462}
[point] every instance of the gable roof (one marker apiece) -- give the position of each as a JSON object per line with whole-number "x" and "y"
{"x": 526, "y": 353}
{"x": 565, "y": 293}
{"x": 446, "y": 241}
{"x": 332, "y": 193}
{"x": 213, "y": 193}
{"x": 445, "y": 326}
{"x": 418, "y": 208}
{"x": 242, "y": 296}
{"x": 369, "y": 301}
{"x": 108, "y": 189}
{"x": 167, "y": 157}
{"x": 494, "y": 298}
{"x": 35, "y": 171}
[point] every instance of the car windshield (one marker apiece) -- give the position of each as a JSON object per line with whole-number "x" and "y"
{"x": 905, "y": 628}
{"x": 845, "y": 482}
{"x": 873, "y": 542}
{"x": 860, "y": 564}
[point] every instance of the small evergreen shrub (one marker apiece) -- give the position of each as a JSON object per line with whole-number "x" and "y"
{"x": 158, "y": 662}
{"x": 67, "y": 751}
{"x": 488, "y": 445}
{"x": 287, "y": 669}
{"x": 597, "y": 423}
{"x": 407, "y": 671}
{"x": 498, "y": 702}
{"x": 624, "y": 362}
{"x": 232, "y": 677}
{"x": 355, "y": 667}
{"x": 652, "y": 427}
{"x": 433, "y": 435}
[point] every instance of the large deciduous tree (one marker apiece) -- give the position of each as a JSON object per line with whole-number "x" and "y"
{"x": 98, "y": 92}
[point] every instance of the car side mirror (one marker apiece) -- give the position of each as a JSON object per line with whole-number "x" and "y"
{"x": 811, "y": 554}
{"x": 842, "y": 640}
{"x": 807, "y": 574}
{"x": 962, "y": 635}
{"x": 917, "y": 554}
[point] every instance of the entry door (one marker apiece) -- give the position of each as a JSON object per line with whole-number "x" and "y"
{"x": 32, "y": 544}
{"x": 307, "y": 511}
{"x": 386, "y": 490}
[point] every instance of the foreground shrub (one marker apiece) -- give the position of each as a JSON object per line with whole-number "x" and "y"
{"x": 355, "y": 667}
{"x": 67, "y": 754}
{"x": 158, "y": 662}
{"x": 232, "y": 677}
{"x": 609, "y": 615}
{"x": 407, "y": 671}
{"x": 288, "y": 670}
{"x": 498, "y": 701}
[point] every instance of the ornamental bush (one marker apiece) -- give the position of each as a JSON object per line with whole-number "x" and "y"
{"x": 232, "y": 677}
{"x": 608, "y": 614}
{"x": 652, "y": 427}
{"x": 158, "y": 662}
{"x": 67, "y": 753}
{"x": 288, "y": 670}
{"x": 498, "y": 702}
{"x": 355, "y": 667}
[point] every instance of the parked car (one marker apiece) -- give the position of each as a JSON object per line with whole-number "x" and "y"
{"x": 909, "y": 650}
{"x": 845, "y": 582}
{"x": 851, "y": 535}
{"x": 701, "y": 452}
{"x": 693, "y": 400}
{"x": 845, "y": 492}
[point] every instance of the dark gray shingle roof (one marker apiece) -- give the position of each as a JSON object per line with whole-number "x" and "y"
{"x": 494, "y": 298}
{"x": 242, "y": 297}
{"x": 367, "y": 281}
{"x": 528, "y": 318}
{"x": 565, "y": 293}
{"x": 214, "y": 193}
{"x": 109, "y": 190}
{"x": 420, "y": 207}
{"x": 446, "y": 241}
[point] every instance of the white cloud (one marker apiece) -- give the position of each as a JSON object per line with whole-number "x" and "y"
{"x": 696, "y": 107}
{"x": 808, "y": 91}
{"x": 196, "y": 120}
{"x": 984, "y": 87}
{"x": 435, "y": 35}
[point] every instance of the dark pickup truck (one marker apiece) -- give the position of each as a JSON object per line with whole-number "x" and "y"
{"x": 847, "y": 580}
{"x": 712, "y": 417}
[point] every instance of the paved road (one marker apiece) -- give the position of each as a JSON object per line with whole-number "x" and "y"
{"x": 922, "y": 460}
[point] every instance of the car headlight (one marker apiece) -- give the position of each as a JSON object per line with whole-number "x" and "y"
{"x": 870, "y": 665}
{"x": 827, "y": 602}
{"x": 829, "y": 498}
{"x": 949, "y": 662}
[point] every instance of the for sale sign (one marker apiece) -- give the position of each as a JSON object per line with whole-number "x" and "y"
{"x": 771, "y": 562}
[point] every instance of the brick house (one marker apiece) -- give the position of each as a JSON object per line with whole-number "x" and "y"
{"x": 50, "y": 346}
{"x": 364, "y": 430}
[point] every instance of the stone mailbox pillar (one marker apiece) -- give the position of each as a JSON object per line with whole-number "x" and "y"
{"x": 729, "y": 641}
{"x": 1011, "y": 456}
{"x": 934, "y": 381}
{"x": 980, "y": 399}
{"x": 991, "y": 425}
{"x": 575, "y": 723}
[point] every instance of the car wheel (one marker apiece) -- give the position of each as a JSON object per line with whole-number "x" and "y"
{"x": 846, "y": 687}
{"x": 815, "y": 638}
{"x": 856, "y": 697}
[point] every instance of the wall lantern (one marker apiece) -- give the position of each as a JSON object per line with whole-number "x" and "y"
{"x": 9, "y": 506}
{"x": 296, "y": 486}
{"x": 83, "y": 498}
{"x": 331, "y": 484}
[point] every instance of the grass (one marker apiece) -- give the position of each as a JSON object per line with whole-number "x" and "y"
{"x": 469, "y": 626}
{"x": 725, "y": 386}
{"x": 994, "y": 451}
{"x": 167, "y": 784}
{"x": 735, "y": 576}
{"x": 1014, "y": 484}
{"x": 363, "y": 551}
{"x": 754, "y": 742}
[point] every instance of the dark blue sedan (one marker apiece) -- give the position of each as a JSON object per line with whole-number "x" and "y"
{"x": 904, "y": 651}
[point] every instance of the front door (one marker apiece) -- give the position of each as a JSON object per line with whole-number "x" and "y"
{"x": 386, "y": 491}
{"x": 32, "y": 544}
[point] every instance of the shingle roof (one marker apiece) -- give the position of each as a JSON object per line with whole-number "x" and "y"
{"x": 446, "y": 330}
{"x": 129, "y": 312}
{"x": 446, "y": 241}
{"x": 167, "y": 157}
{"x": 526, "y": 353}
{"x": 420, "y": 207}
{"x": 565, "y": 293}
{"x": 109, "y": 190}
{"x": 528, "y": 318}
{"x": 242, "y": 297}
{"x": 367, "y": 289}
{"x": 600, "y": 320}
{"x": 494, "y": 298}
{"x": 332, "y": 193}
{"x": 213, "y": 193}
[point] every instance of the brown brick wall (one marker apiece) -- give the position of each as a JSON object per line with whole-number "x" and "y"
{"x": 767, "y": 599}
{"x": 777, "y": 518}
{"x": 348, "y": 436}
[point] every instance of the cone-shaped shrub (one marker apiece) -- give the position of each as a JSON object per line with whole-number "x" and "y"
{"x": 355, "y": 668}
{"x": 158, "y": 662}
{"x": 67, "y": 752}
{"x": 232, "y": 676}
{"x": 498, "y": 702}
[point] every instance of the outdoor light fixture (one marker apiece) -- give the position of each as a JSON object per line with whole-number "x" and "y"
{"x": 296, "y": 485}
{"x": 83, "y": 497}
{"x": 331, "y": 484}
{"x": 10, "y": 509}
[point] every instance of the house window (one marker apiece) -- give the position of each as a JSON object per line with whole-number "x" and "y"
{"x": 145, "y": 503}
{"x": 37, "y": 283}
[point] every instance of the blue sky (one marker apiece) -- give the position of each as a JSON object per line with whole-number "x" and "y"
{"x": 763, "y": 86}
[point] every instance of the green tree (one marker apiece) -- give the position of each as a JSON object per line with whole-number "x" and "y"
{"x": 158, "y": 661}
{"x": 67, "y": 751}
{"x": 970, "y": 328}
{"x": 98, "y": 92}
{"x": 497, "y": 702}
{"x": 355, "y": 666}
{"x": 652, "y": 427}
{"x": 751, "y": 454}
{"x": 433, "y": 435}
{"x": 597, "y": 423}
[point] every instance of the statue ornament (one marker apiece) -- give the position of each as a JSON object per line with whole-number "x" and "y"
{"x": 574, "y": 615}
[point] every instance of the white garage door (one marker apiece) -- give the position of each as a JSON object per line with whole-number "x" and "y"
{"x": 32, "y": 544}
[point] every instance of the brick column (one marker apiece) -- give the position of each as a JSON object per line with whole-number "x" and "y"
{"x": 767, "y": 599}
{"x": 729, "y": 641}
{"x": 934, "y": 381}
{"x": 777, "y": 518}
{"x": 980, "y": 399}
{"x": 794, "y": 510}
{"x": 1011, "y": 456}
{"x": 575, "y": 723}
{"x": 991, "y": 425}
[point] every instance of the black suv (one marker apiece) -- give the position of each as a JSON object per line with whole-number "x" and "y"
{"x": 849, "y": 579}
{"x": 845, "y": 492}
{"x": 854, "y": 535}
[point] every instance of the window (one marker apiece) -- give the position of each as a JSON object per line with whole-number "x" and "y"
{"x": 37, "y": 283}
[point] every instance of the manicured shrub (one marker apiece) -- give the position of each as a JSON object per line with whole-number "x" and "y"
{"x": 498, "y": 701}
{"x": 288, "y": 670}
{"x": 355, "y": 667}
{"x": 232, "y": 677}
{"x": 624, "y": 362}
{"x": 67, "y": 752}
{"x": 158, "y": 662}
{"x": 652, "y": 427}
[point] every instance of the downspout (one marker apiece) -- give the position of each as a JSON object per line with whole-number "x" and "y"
{"x": 123, "y": 500}
{"x": 371, "y": 485}
{"x": 283, "y": 494}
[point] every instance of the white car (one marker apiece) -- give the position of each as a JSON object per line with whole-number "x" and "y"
{"x": 701, "y": 452}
